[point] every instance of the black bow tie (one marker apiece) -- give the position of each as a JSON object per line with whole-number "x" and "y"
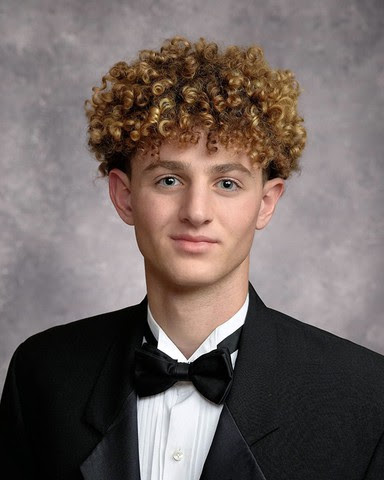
{"x": 211, "y": 373}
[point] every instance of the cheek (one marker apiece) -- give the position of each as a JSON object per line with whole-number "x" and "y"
{"x": 243, "y": 219}
{"x": 150, "y": 217}
{"x": 142, "y": 209}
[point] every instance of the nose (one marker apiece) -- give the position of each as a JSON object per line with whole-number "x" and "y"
{"x": 196, "y": 206}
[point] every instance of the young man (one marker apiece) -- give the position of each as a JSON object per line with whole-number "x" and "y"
{"x": 201, "y": 380}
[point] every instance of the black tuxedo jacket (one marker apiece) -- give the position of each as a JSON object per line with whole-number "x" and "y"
{"x": 304, "y": 404}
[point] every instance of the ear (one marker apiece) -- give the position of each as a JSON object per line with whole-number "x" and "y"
{"x": 272, "y": 191}
{"x": 120, "y": 194}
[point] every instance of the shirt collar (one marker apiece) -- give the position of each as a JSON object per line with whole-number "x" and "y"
{"x": 166, "y": 345}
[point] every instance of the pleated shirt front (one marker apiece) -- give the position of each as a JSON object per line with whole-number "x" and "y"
{"x": 176, "y": 427}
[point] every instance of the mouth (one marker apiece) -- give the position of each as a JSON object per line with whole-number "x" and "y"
{"x": 193, "y": 239}
{"x": 193, "y": 243}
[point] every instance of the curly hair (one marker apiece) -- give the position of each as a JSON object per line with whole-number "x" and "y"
{"x": 183, "y": 89}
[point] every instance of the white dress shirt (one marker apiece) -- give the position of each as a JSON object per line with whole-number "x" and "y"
{"x": 176, "y": 427}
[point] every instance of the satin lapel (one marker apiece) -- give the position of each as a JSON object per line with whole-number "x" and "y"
{"x": 254, "y": 397}
{"x": 111, "y": 408}
{"x": 229, "y": 457}
{"x": 116, "y": 457}
{"x": 251, "y": 410}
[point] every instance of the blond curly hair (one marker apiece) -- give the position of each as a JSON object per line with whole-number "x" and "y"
{"x": 186, "y": 88}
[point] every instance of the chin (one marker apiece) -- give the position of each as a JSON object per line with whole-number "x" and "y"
{"x": 183, "y": 278}
{"x": 190, "y": 282}
{"x": 194, "y": 280}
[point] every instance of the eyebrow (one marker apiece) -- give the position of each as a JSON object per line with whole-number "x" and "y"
{"x": 220, "y": 168}
{"x": 167, "y": 164}
{"x": 230, "y": 167}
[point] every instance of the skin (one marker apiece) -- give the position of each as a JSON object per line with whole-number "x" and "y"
{"x": 195, "y": 216}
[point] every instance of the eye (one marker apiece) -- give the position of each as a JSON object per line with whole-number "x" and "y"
{"x": 169, "y": 181}
{"x": 227, "y": 184}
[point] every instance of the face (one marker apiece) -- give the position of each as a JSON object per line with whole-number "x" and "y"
{"x": 194, "y": 213}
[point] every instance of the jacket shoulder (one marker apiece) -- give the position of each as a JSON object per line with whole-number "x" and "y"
{"x": 83, "y": 342}
{"x": 305, "y": 345}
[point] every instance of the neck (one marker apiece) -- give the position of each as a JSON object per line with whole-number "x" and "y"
{"x": 189, "y": 315}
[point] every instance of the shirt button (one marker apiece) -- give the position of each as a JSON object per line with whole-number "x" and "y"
{"x": 178, "y": 455}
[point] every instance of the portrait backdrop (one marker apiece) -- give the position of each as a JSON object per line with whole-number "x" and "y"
{"x": 65, "y": 254}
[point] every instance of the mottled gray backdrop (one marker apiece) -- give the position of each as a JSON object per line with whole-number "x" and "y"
{"x": 64, "y": 253}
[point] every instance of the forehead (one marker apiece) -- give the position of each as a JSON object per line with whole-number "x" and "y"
{"x": 173, "y": 155}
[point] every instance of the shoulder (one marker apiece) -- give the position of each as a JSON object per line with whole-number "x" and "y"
{"x": 83, "y": 342}
{"x": 317, "y": 341}
{"x": 309, "y": 348}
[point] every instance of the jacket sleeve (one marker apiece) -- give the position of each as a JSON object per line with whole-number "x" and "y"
{"x": 16, "y": 458}
{"x": 375, "y": 469}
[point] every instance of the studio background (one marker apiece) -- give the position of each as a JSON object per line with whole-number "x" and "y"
{"x": 64, "y": 253}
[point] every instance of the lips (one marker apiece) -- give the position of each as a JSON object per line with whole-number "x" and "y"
{"x": 193, "y": 238}
{"x": 194, "y": 244}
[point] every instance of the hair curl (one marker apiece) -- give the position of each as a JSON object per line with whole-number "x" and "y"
{"x": 185, "y": 88}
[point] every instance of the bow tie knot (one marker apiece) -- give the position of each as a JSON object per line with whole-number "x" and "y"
{"x": 180, "y": 371}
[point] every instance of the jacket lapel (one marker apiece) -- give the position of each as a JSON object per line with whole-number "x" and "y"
{"x": 111, "y": 408}
{"x": 229, "y": 457}
{"x": 116, "y": 457}
{"x": 251, "y": 410}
